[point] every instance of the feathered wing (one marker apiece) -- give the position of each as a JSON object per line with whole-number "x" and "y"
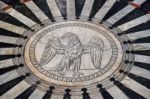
{"x": 53, "y": 47}
{"x": 95, "y": 48}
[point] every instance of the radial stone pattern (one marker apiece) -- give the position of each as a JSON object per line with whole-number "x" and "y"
{"x": 74, "y": 49}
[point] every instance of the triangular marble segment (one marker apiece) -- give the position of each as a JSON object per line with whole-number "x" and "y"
{"x": 10, "y": 84}
{"x": 43, "y": 5}
{"x": 142, "y": 65}
{"x": 79, "y": 6}
{"x": 26, "y": 93}
{"x": 104, "y": 92}
{"x": 5, "y": 32}
{"x": 49, "y": 93}
{"x": 129, "y": 92}
{"x": 8, "y": 69}
{"x": 35, "y": 10}
{"x": 9, "y": 19}
{"x": 62, "y": 5}
{"x": 7, "y": 45}
{"x": 126, "y": 10}
{"x": 96, "y": 6}
{"x": 143, "y": 81}
{"x": 108, "y": 42}
{"x": 19, "y": 7}
{"x": 118, "y": 5}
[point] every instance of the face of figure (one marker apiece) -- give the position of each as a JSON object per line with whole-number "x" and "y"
{"x": 65, "y": 41}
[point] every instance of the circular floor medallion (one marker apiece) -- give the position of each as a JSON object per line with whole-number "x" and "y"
{"x": 74, "y": 54}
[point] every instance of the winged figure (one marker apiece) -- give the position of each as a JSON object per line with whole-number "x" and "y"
{"x": 70, "y": 46}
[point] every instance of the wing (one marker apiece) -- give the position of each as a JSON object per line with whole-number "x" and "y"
{"x": 53, "y": 47}
{"x": 95, "y": 48}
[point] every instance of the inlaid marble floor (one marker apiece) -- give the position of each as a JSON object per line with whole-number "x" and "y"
{"x": 74, "y": 49}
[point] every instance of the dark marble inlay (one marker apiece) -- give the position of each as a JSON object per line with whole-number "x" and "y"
{"x": 48, "y": 94}
{"x": 7, "y": 45}
{"x": 104, "y": 92}
{"x": 128, "y": 92}
{"x": 119, "y": 4}
{"x": 142, "y": 40}
{"x": 25, "y": 94}
{"x": 10, "y": 68}
{"x": 79, "y": 6}
{"x": 142, "y": 65}
{"x": 10, "y": 84}
{"x": 4, "y": 32}
{"x": 9, "y": 19}
{"x": 62, "y": 7}
{"x": 143, "y": 81}
{"x": 85, "y": 94}
{"x": 67, "y": 94}
{"x": 96, "y": 6}
{"x": 42, "y": 4}
{"x": 141, "y": 27}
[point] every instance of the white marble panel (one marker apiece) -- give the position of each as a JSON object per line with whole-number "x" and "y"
{"x": 124, "y": 12}
{"x": 37, "y": 94}
{"x": 15, "y": 91}
{"x": 53, "y": 7}
{"x": 8, "y": 39}
{"x": 142, "y": 58}
{"x": 8, "y": 76}
{"x": 70, "y": 8}
{"x": 6, "y": 63}
{"x": 142, "y": 46}
{"x": 140, "y": 89}
{"x": 11, "y": 27}
{"x": 97, "y": 95}
{"x": 57, "y": 96}
{"x": 120, "y": 14}
{"x": 17, "y": 15}
{"x": 76, "y": 97}
{"x": 6, "y": 51}
{"x": 135, "y": 22}
{"x": 87, "y": 8}
{"x": 105, "y": 8}
{"x": 36, "y": 10}
{"x": 116, "y": 92}
{"x": 20, "y": 17}
{"x": 140, "y": 72}
{"x": 140, "y": 34}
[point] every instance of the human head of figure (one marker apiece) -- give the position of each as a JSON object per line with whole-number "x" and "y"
{"x": 70, "y": 38}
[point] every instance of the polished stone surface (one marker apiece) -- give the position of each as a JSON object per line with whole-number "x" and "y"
{"x": 69, "y": 52}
